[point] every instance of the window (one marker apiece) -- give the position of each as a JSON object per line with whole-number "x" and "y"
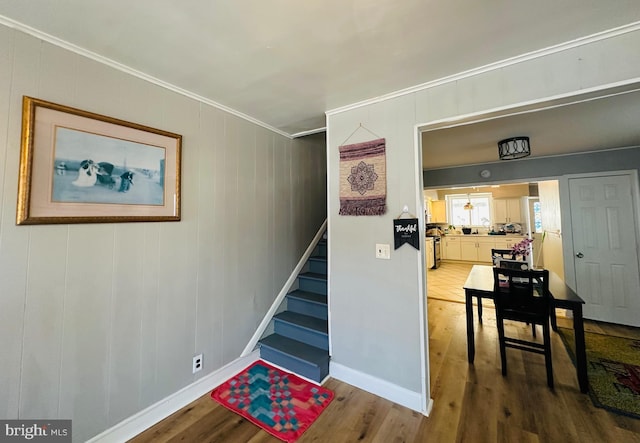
{"x": 479, "y": 216}
{"x": 537, "y": 217}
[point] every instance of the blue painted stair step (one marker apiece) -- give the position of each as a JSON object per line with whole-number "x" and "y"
{"x": 313, "y": 282}
{"x": 308, "y": 303}
{"x": 318, "y": 265}
{"x": 304, "y": 328}
{"x": 300, "y": 342}
{"x": 301, "y": 358}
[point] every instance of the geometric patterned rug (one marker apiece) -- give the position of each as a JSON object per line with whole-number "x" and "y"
{"x": 281, "y": 403}
{"x": 613, "y": 370}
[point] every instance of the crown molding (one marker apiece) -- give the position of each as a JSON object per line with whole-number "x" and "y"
{"x": 131, "y": 71}
{"x": 309, "y": 132}
{"x": 599, "y": 36}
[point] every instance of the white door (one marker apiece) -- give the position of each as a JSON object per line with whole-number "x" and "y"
{"x": 605, "y": 248}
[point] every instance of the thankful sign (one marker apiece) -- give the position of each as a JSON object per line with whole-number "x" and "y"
{"x": 405, "y": 230}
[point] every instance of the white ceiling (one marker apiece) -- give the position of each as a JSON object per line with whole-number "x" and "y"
{"x": 286, "y": 62}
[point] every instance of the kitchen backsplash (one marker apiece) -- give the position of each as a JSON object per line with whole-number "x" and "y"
{"x": 514, "y": 228}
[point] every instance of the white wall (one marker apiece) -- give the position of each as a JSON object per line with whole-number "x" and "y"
{"x": 375, "y": 304}
{"x": 98, "y": 321}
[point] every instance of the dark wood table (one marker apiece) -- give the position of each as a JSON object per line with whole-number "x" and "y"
{"x": 479, "y": 284}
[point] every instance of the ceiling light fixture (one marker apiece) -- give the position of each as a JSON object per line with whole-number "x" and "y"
{"x": 468, "y": 206}
{"x": 515, "y": 147}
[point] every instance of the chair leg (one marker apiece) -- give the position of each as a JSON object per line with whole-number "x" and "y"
{"x": 547, "y": 353}
{"x": 533, "y": 329}
{"x": 503, "y": 348}
{"x": 479, "y": 309}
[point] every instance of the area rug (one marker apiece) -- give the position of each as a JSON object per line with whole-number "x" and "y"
{"x": 282, "y": 404}
{"x": 363, "y": 178}
{"x": 613, "y": 369}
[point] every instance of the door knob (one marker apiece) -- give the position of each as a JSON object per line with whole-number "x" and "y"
{"x": 579, "y": 255}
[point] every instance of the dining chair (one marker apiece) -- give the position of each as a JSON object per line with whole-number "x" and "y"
{"x": 512, "y": 264}
{"x": 523, "y": 296}
{"x": 503, "y": 253}
{"x": 499, "y": 256}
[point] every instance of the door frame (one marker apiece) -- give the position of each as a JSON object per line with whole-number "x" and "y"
{"x": 566, "y": 222}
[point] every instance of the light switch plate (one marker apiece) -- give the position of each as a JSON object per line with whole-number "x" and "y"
{"x": 383, "y": 251}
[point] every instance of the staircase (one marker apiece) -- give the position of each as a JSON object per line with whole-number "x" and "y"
{"x": 300, "y": 342}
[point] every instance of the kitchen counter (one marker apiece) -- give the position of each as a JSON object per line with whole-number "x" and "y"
{"x": 485, "y": 235}
{"x": 476, "y": 247}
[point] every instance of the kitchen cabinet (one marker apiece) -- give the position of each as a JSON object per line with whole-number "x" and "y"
{"x": 507, "y": 243}
{"x": 438, "y": 211}
{"x": 476, "y": 249}
{"x": 507, "y": 210}
{"x": 468, "y": 250}
{"x": 430, "y": 258}
{"x": 451, "y": 248}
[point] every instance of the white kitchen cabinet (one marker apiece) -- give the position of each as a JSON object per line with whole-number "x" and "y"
{"x": 507, "y": 210}
{"x": 484, "y": 251}
{"x": 507, "y": 243}
{"x": 438, "y": 211}
{"x": 476, "y": 249}
{"x": 450, "y": 248}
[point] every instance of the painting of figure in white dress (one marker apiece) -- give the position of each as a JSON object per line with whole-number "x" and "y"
{"x": 94, "y": 168}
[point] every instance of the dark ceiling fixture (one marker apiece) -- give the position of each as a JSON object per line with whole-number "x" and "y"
{"x": 515, "y": 147}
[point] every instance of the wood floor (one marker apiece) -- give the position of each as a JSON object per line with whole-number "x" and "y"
{"x": 471, "y": 403}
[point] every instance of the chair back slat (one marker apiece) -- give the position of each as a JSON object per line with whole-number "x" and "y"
{"x": 503, "y": 253}
{"x": 521, "y": 291}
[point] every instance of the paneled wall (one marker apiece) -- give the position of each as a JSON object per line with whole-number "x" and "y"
{"x": 98, "y": 321}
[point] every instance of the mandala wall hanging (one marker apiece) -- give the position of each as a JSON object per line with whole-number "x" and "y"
{"x": 363, "y": 178}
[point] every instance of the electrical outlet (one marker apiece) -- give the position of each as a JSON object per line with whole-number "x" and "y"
{"x": 383, "y": 251}
{"x": 197, "y": 363}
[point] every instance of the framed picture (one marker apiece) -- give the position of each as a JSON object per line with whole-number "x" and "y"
{"x": 81, "y": 167}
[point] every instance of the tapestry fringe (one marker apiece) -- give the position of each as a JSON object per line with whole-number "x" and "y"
{"x": 355, "y": 210}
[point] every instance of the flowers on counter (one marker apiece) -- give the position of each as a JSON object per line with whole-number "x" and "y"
{"x": 522, "y": 248}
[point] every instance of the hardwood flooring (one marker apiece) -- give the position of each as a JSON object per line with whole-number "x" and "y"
{"x": 472, "y": 403}
{"x": 445, "y": 282}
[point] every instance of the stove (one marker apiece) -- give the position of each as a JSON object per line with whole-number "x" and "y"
{"x": 436, "y": 251}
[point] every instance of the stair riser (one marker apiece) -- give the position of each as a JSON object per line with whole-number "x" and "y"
{"x": 317, "y": 339}
{"x": 322, "y": 249}
{"x": 307, "y": 308}
{"x": 318, "y": 266}
{"x": 305, "y": 369}
{"x": 312, "y": 285}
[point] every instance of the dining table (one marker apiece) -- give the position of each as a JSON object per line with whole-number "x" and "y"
{"x": 479, "y": 284}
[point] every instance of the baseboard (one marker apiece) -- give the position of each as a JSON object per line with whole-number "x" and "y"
{"x": 429, "y": 407}
{"x": 143, "y": 420}
{"x": 379, "y": 387}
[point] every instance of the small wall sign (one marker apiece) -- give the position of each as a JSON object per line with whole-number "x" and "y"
{"x": 405, "y": 230}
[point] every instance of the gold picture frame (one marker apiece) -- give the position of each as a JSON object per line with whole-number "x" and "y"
{"x": 81, "y": 167}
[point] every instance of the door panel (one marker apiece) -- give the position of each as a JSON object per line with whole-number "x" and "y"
{"x": 605, "y": 248}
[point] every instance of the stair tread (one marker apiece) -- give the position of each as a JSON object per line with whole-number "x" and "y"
{"x": 296, "y": 349}
{"x": 321, "y": 258}
{"x": 304, "y": 321}
{"x": 314, "y": 275}
{"x": 308, "y": 296}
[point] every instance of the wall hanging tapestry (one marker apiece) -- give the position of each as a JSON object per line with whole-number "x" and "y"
{"x": 282, "y": 404}
{"x": 613, "y": 369}
{"x": 363, "y": 178}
